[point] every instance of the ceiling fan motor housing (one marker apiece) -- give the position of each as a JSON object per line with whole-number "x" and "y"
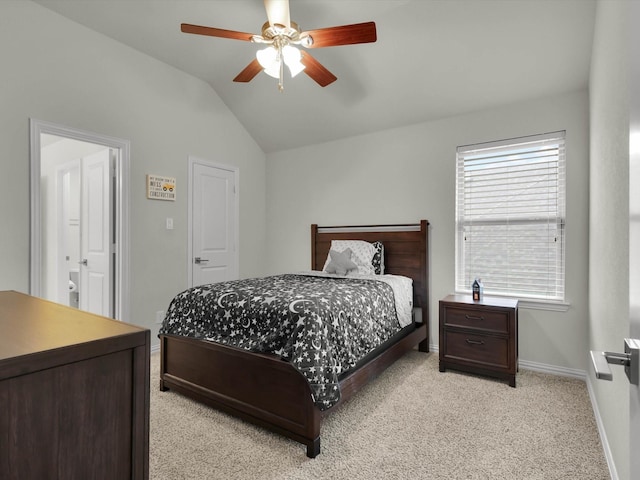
{"x": 287, "y": 35}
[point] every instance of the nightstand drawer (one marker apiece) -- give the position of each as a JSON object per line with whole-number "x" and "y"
{"x": 481, "y": 349}
{"x": 479, "y": 318}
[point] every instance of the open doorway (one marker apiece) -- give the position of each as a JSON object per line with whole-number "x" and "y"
{"x": 79, "y": 218}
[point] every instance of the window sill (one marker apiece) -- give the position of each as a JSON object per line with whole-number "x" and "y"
{"x": 544, "y": 305}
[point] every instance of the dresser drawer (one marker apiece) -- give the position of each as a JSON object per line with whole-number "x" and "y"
{"x": 478, "y": 318}
{"x": 480, "y": 349}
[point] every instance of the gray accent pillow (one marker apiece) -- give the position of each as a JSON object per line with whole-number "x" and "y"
{"x": 340, "y": 262}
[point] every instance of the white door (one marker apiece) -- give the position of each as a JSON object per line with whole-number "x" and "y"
{"x": 96, "y": 293}
{"x": 68, "y": 231}
{"x": 213, "y": 215}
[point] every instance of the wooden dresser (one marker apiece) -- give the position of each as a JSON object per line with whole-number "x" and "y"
{"x": 74, "y": 393}
{"x": 479, "y": 336}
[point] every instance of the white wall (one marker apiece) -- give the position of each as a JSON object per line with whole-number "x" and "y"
{"x": 609, "y": 217}
{"x": 407, "y": 174}
{"x": 58, "y": 71}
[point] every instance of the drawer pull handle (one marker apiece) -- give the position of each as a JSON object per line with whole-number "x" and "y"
{"x": 475, "y": 342}
{"x": 472, "y": 317}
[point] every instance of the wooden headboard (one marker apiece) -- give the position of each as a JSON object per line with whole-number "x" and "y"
{"x": 405, "y": 251}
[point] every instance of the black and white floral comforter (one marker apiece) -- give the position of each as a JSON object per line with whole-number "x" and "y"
{"x": 322, "y": 325}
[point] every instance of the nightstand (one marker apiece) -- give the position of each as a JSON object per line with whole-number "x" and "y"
{"x": 479, "y": 337}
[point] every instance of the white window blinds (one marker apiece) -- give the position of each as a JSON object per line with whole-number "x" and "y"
{"x": 510, "y": 217}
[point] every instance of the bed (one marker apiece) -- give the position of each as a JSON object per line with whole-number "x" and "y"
{"x": 264, "y": 389}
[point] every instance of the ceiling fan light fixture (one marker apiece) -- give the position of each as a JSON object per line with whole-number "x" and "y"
{"x": 292, "y": 59}
{"x": 273, "y": 71}
{"x": 269, "y": 60}
{"x": 268, "y": 57}
{"x": 295, "y": 68}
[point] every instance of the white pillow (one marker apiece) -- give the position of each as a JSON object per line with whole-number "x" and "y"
{"x": 361, "y": 254}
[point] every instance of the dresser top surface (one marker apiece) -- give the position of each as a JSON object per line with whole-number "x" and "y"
{"x": 30, "y": 325}
{"x": 485, "y": 301}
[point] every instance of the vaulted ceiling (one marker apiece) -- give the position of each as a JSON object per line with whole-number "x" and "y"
{"x": 433, "y": 58}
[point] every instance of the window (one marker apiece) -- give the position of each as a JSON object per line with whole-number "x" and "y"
{"x": 510, "y": 217}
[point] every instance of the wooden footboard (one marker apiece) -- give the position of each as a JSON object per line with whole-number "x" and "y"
{"x": 261, "y": 389}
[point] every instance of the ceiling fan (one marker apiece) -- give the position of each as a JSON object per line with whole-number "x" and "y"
{"x": 281, "y": 36}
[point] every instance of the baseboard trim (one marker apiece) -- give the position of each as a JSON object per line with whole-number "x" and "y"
{"x": 602, "y": 432}
{"x": 552, "y": 369}
{"x": 540, "y": 367}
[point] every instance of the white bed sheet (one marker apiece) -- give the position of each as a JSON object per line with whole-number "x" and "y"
{"x": 402, "y": 291}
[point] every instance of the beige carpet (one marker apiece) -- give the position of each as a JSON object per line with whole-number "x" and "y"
{"x": 413, "y": 422}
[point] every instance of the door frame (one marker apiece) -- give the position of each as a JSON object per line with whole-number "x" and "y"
{"x": 634, "y": 233}
{"x": 121, "y": 208}
{"x": 193, "y": 160}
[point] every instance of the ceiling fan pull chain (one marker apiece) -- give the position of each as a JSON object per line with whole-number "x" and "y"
{"x": 281, "y": 62}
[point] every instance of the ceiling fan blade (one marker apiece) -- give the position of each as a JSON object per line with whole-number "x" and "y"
{"x": 343, "y": 35}
{"x": 250, "y": 71}
{"x": 278, "y": 12}
{"x": 215, "y": 32}
{"x": 316, "y": 70}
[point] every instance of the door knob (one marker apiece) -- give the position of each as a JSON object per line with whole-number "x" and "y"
{"x": 199, "y": 260}
{"x": 630, "y": 359}
{"x": 84, "y": 262}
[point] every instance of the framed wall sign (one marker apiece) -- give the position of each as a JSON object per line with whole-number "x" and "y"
{"x": 161, "y": 188}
